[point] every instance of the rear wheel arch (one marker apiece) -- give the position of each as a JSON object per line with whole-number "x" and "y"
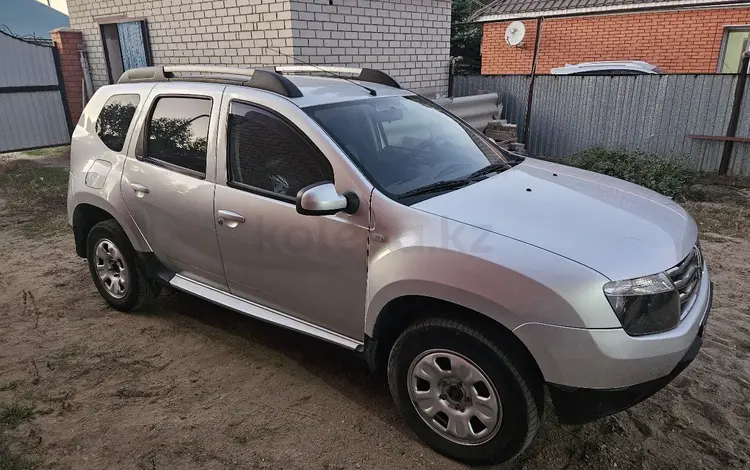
{"x": 401, "y": 312}
{"x": 90, "y": 211}
{"x": 85, "y": 216}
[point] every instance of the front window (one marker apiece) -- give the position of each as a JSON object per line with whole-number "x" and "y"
{"x": 405, "y": 143}
{"x": 267, "y": 154}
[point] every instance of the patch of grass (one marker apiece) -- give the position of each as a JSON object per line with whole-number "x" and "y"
{"x": 731, "y": 220}
{"x": 12, "y": 460}
{"x": 10, "y": 417}
{"x": 659, "y": 174}
{"x": 49, "y": 151}
{"x": 13, "y": 415}
{"x": 34, "y": 195}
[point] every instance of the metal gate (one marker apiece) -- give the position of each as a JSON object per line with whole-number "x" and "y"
{"x": 33, "y": 110}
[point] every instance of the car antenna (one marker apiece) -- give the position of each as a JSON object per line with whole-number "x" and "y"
{"x": 369, "y": 90}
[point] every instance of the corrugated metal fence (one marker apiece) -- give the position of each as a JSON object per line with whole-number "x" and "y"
{"x": 648, "y": 113}
{"x": 32, "y": 110}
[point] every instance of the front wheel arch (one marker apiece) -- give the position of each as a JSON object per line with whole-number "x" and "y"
{"x": 402, "y": 312}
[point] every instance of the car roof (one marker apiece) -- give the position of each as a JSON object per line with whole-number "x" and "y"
{"x": 316, "y": 86}
{"x": 325, "y": 90}
{"x": 634, "y": 65}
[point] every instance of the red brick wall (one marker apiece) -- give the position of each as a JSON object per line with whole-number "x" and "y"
{"x": 68, "y": 42}
{"x": 677, "y": 41}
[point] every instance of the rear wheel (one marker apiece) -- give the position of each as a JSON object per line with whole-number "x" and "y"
{"x": 468, "y": 396}
{"x": 113, "y": 266}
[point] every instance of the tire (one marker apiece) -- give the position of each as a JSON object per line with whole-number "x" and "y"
{"x": 136, "y": 290}
{"x": 516, "y": 386}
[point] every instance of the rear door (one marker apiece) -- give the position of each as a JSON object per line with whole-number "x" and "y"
{"x": 167, "y": 181}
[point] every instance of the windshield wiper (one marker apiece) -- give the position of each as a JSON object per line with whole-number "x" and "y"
{"x": 447, "y": 185}
{"x": 495, "y": 167}
{"x": 437, "y": 186}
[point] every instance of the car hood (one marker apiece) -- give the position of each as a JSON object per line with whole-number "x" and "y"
{"x": 617, "y": 228}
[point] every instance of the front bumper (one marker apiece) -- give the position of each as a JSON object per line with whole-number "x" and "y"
{"x": 576, "y": 405}
{"x": 609, "y": 358}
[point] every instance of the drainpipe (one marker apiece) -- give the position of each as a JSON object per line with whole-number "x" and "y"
{"x": 451, "y": 71}
{"x": 734, "y": 118}
{"x": 530, "y": 98}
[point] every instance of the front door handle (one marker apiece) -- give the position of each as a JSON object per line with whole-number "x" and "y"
{"x": 231, "y": 218}
{"x": 139, "y": 189}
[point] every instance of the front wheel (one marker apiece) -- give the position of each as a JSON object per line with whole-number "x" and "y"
{"x": 468, "y": 396}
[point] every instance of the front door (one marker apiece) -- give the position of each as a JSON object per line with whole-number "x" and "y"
{"x": 168, "y": 187}
{"x": 312, "y": 268}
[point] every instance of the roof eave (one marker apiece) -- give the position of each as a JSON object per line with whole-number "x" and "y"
{"x": 669, "y": 5}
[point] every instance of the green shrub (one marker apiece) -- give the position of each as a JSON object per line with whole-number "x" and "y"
{"x": 660, "y": 174}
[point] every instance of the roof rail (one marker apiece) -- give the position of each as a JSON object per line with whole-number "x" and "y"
{"x": 255, "y": 78}
{"x": 363, "y": 74}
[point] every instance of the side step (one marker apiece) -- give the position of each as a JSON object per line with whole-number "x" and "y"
{"x": 258, "y": 311}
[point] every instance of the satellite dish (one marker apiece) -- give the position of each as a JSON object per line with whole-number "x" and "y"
{"x": 514, "y": 33}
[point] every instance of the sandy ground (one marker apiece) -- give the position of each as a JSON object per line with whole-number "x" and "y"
{"x": 190, "y": 385}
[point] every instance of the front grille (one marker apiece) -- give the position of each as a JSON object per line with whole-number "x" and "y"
{"x": 686, "y": 277}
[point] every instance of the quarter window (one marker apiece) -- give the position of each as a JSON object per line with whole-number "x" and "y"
{"x": 114, "y": 120}
{"x": 268, "y": 154}
{"x": 178, "y": 133}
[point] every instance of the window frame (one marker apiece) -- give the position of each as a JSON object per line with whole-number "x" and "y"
{"x": 294, "y": 128}
{"x": 146, "y": 41}
{"x": 130, "y": 124}
{"x": 142, "y": 151}
{"x": 725, "y": 39}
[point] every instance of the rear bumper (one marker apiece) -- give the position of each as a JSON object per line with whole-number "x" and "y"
{"x": 581, "y": 405}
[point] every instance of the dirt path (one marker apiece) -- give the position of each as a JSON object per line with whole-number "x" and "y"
{"x": 191, "y": 385}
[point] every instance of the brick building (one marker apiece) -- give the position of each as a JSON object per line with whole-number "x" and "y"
{"x": 409, "y": 39}
{"x": 679, "y": 36}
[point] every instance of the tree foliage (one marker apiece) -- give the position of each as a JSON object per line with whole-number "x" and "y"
{"x": 466, "y": 40}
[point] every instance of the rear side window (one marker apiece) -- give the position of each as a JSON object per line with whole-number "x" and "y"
{"x": 178, "y": 133}
{"x": 267, "y": 153}
{"x": 114, "y": 120}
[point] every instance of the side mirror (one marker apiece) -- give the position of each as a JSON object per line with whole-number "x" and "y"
{"x": 322, "y": 199}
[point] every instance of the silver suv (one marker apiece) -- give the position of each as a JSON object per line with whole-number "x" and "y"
{"x": 365, "y": 215}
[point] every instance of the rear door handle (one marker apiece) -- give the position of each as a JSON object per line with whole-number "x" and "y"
{"x": 232, "y": 218}
{"x": 139, "y": 189}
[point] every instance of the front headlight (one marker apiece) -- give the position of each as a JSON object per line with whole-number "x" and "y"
{"x": 645, "y": 305}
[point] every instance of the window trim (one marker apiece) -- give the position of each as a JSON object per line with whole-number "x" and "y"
{"x": 260, "y": 191}
{"x": 724, "y": 39}
{"x": 141, "y": 153}
{"x": 130, "y": 124}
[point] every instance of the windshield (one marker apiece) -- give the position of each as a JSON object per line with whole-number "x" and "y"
{"x": 406, "y": 142}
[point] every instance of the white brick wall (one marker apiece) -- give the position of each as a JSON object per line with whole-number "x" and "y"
{"x": 409, "y": 39}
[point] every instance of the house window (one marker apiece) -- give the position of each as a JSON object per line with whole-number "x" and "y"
{"x": 125, "y": 47}
{"x": 735, "y": 42}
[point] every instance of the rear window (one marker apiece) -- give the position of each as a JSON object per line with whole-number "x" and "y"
{"x": 114, "y": 120}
